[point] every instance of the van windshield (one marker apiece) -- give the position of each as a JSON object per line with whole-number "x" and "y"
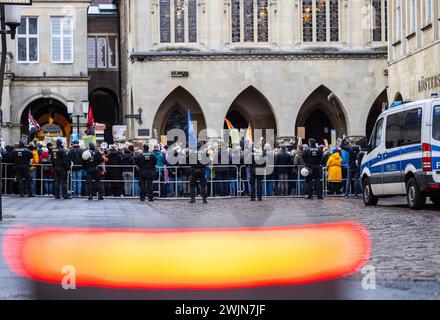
{"x": 436, "y": 123}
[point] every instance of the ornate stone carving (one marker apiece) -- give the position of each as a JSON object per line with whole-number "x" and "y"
{"x": 9, "y": 61}
{"x": 226, "y": 5}
{"x": 274, "y": 5}
{"x": 45, "y": 93}
{"x": 202, "y": 5}
{"x": 274, "y": 56}
{"x": 154, "y": 5}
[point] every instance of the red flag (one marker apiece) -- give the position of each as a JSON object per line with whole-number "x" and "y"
{"x": 34, "y": 127}
{"x": 90, "y": 120}
{"x": 90, "y": 123}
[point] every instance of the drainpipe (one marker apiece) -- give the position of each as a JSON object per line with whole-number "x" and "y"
{"x": 116, "y": 2}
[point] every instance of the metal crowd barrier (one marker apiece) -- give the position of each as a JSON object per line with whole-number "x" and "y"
{"x": 173, "y": 181}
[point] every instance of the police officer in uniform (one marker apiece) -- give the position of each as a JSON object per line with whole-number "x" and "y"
{"x": 256, "y": 160}
{"x": 146, "y": 163}
{"x": 22, "y": 158}
{"x": 93, "y": 180}
{"x": 198, "y": 160}
{"x": 313, "y": 159}
{"x": 61, "y": 166}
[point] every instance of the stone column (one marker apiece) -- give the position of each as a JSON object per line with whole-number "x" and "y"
{"x": 6, "y": 126}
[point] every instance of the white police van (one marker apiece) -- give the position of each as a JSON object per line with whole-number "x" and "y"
{"x": 403, "y": 155}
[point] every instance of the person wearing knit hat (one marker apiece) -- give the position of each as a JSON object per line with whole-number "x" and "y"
{"x": 326, "y": 154}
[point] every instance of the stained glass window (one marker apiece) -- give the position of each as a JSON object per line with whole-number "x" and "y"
{"x": 235, "y": 15}
{"x": 428, "y": 11}
{"x": 398, "y": 20}
{"x": 176, "y": 120}
{"x": 179, "y": 21}
{"x": 165, "y": 21}
{"x": 321, "y": 21}
{"x": 263, "y": 21}
{"x": 307, "y": 21}
{"x": 248, "y": 7}
{"x": 334, "y": 20}
{"x": 192, "y": 20}
{"x": 412, "y": 16}
{"x": 250, "y": 20}
{"x": 377, "y": 20}
{"x": 386, "y": 19}
{"x": 181, "y": 15}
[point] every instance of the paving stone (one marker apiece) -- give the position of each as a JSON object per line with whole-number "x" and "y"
{"x": 405, "y": 243}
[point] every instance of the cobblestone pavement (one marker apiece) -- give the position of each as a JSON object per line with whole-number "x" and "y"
{"x": 405, "y": 243}
{"x": 405, "y": 253}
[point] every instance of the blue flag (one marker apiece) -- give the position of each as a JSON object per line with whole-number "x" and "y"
{"x": 192, "y": 138}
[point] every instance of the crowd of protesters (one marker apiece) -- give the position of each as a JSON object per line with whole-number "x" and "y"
{"x": 120, "y": 176}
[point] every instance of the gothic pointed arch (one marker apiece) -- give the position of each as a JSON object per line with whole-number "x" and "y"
{"x": 172, "y": 112}
{"x": 251, "y": 107}
{"x": 375, "y": 111}
{"x": 321, "y": 113}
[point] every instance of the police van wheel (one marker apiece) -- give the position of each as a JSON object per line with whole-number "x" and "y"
{"x": 369, "y": 198}
{"x": 416, "y": 199}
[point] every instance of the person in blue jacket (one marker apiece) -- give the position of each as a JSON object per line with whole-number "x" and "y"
{"x": 345, "y": 157}
{"x": 160, "y": 169}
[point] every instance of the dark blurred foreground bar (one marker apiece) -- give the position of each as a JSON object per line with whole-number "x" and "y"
{"x": 327, "y": 290}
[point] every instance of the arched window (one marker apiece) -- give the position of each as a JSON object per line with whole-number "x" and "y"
{"x": 320, "y": 20}
{"x": 250, "y": 20}
{"x": 379, "y": 14}
{"x": 178, "y": 21}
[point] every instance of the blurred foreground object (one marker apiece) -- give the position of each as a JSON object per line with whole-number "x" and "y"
{"x": 189, "y": 259}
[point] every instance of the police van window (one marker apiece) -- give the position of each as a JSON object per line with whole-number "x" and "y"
{"x": 394, "y": 132}
{"x": 413, "y": 126}
{"x": 376, "y": 138}
{"x": 436, "y": 123}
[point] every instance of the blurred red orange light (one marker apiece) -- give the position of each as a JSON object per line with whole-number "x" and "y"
{"x": 190, "y": 258}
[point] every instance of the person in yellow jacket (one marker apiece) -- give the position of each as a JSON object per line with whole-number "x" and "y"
{"x": 334, "y": 169}
{"x": 33, "y": 169}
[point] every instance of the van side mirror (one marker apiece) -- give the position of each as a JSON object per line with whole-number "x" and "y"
{"x": 369, "y": 148}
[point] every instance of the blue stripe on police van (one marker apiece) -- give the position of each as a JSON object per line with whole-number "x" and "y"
{"x": 396, "y": 164}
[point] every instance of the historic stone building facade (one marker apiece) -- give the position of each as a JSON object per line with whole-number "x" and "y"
{"x": 46, "y": 68}
{"x": 270, "y": 63}
{"x": 414, "y": 49}
{"x": 103, "y": 63}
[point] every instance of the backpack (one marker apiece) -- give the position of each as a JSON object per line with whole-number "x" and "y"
{"x": 354, "y": 155}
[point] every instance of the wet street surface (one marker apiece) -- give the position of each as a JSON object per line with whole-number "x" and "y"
{"x": 405, "y": 243}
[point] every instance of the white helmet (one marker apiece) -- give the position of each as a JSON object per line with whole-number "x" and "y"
{"x": 305, "y": 172}
{"x": 86, "y": 155}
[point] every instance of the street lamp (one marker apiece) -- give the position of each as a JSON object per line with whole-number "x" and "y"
{"x": 85, "y": 110}
{"x": 12, "y": 19}
{"x": 69, "y": 104}
{"x": 10, "y": 15}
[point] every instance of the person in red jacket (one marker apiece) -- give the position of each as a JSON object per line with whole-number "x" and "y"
{"x": 47, "y": 172}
